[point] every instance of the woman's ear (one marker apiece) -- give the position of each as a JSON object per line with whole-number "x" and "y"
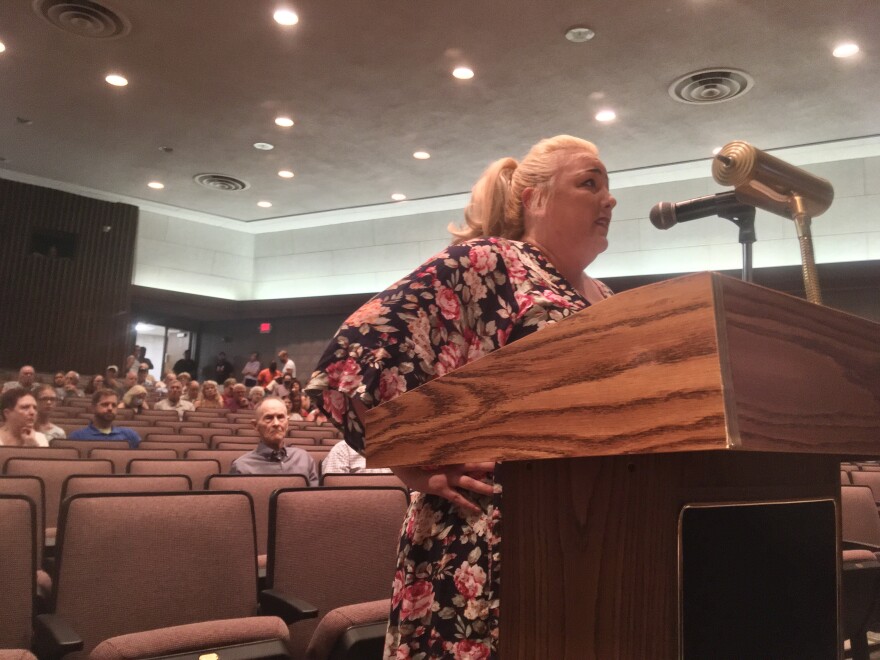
{"x": 528, "y": 198}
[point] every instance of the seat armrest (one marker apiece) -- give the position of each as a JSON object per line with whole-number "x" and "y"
{"x": 285, "y": 606}
{"x": 858, "y": 545}
{"x": 54, "y": 638}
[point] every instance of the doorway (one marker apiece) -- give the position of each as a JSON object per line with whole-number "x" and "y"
{"x": 165, "y": 345}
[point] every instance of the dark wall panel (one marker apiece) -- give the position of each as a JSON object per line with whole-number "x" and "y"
{"x": 57, "y": 311}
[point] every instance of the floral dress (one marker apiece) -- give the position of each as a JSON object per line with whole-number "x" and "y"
{"x": 467, "y": 301}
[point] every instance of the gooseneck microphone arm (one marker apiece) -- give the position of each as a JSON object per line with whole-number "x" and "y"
{"x": 724, "y": 205}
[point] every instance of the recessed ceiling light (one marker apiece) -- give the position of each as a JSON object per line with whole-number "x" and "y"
{"x": 421, "y": 155}
{"x": 2, "y": 46}
{"x": 285, "y": 17}
{"x": 845, "y": 50}
{"x": 156, "y": 185}
{"x": 463, "y": 73}
{"x": 264, "y": 205}
{"x": 716, "y": 151}
{"x": 116, "y": 80}
{"x": 606, "y": 115}
{"x": 263, "y": 146}
{"x": 285, "y": 174}
{"x": 286, "y": 122}
{"x": 579, "y": 34}
{"x": 398, "y": 197}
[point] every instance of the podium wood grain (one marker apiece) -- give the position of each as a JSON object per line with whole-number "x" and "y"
{"x": 702, "y": 362}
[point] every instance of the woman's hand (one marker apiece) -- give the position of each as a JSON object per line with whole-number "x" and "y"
{"x": 28, "y": 436}
{"x": 445, "y": 479}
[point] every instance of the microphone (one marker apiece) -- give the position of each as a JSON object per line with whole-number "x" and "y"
{"x": 666, "y": 214}
{"x": 769, "y": 183}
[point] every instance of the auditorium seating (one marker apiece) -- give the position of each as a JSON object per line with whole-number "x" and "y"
{"x": 867, "y": 478}
{"x": 188, "y": 561}
{"x": 861, "y": 566}
{"x": 84, "y": 447}
{"x": 33, "y": 489}
{"x": 332, "y": 547}
{"x": 121, "y": 457}
{"x": 223, "y": 456}
{"x": 18, "y": 540}
{"x": 35, "y": 452}
{"x": 53, "y": 472}
{"x": 360, "y": 479}
{"x": 351, "y": 632}
{"x": 197, "y": 470}
{"x": 179, "y": 447}
{"x": 79, "y": 484}
{"x": 260, "y": 488}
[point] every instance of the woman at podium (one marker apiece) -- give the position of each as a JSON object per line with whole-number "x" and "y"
{"x": 517, "y": 264}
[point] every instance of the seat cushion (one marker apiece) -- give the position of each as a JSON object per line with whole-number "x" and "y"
{"x": 337, "y": 621}
{"x": 191, "y": 637}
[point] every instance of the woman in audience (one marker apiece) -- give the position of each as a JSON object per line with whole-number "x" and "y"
{"x": 210, "y": 397}
{"x": 47, "y": 398}
{"x": 255, "y": 395}
{"x": 135, "y": 399}
{"x": 97, "y": 383}
{"x": 516, "y": 266}
{"x": 292, "y": 416}
{"x": 19, "y": 410}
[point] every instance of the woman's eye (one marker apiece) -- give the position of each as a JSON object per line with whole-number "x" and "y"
{"x": 589, "y": 183}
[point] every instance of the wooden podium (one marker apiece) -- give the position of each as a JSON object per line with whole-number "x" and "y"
{"x": 660, "y": 417}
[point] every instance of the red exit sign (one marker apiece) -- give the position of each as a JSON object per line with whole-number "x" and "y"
{"x": 265, "y": 328}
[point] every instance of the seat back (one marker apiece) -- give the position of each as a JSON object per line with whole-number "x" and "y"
{"x": 33, "y": 489}
{"x": 77, "y": 484}
{"x": 53, "y": 472}
{"x": 190, "y": 557}
{"x": 36, "y": 452}
{"x": 152, "y": 436}
{"x": 121, "y": 457}
{"x": 860, "y": 521}
{"x": 197, "y": 470}
{"x": 180, "y": 448}
{"x": 358, "y": 527}
{"x": 360, "y": 479}
{"x": 18, "y": 570}
{"x": 870, "y": 479}
{"x": 222, "y": 456}
{"x": 86, "y": 446}
{"x": 260, "y": 487}
{"x": 243, "y": 447}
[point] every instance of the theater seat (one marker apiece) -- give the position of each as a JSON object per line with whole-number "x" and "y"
{"x": 132, "y": 564}
{"x": 351, "y": 632}
{"x": 860, "y": 566}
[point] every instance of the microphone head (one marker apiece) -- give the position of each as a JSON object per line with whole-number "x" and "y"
{"x": 663, "y": 215}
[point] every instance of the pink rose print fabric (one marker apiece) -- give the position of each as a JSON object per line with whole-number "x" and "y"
{"x": 465, "y": 302}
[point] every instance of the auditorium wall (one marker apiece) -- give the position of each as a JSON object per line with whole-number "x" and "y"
{"x": 66, "y": 265}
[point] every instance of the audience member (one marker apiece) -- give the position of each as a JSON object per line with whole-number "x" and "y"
{"x": 255, "y": 395}
{"x": 129, "y": 381}
{"x": 132, "y": 362}
{"x": 144, "y": 379}
{"x": 238, "y": 400}
{"x": 26, "y": 379}
{"x": 104, "y": 404}
{"x": 291, "y": 415}
{"x": 47, "y": 399}
{"x": 135, "y": 399}
{"x": 268, "y": 374}
{"x": 296, "y": 389}
{"x": 186, "y": 363}
{"x": 161, "y": 386}
{"x": 184, "y": 378}
{"x": 19, "y": 410}
{"x": 287, "y": 365}
{"x": 228, "y": 384}
{"x": 223, "y": 368}
{"x": 343, "y": 458}
{"x": 111, "y": 380}
{"x": 271, "y": 456}
{"x": 303, "y": 406}
{"x": 143, "y": 359}
{"x": 210, "y": 397}
{"x": 58, "y": 382}
{"x": 311, "y": 412}
{"x": 251, "y": 370}
{"x": 193, "y": 391}
{"x": 175, "y": 400}
{"x": 97, "y": 383}
{"x": 71, "y": 384}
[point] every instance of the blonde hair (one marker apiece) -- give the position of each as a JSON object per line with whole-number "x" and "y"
{"x": 137, "y": 390}
{"x": 217, "y": 396}
{"x": 495, "y": 207}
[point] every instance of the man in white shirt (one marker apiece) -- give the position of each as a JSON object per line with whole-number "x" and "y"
{"x": 288, "y": 366}
{"x": 344, "y": 459}
{"x": 175, "y": 400}
{"x": 26, "y": 377}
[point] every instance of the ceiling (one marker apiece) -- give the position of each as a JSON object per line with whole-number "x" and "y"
{"x": 368, "y": 83}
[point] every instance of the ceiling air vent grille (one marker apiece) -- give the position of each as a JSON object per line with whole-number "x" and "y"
{"x": 711, "y": 86}
{"x": 83, "y": 18}
{"x": 220, "y": 182}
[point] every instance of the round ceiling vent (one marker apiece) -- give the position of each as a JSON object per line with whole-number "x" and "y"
{"x": 711, "y": 86}
{"x": 83, "y": 18}
{"x": 220, "y": 182}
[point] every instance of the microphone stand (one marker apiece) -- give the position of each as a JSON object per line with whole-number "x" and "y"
{"x": 743, "y": 216}
{"x": 802, "y": 221}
